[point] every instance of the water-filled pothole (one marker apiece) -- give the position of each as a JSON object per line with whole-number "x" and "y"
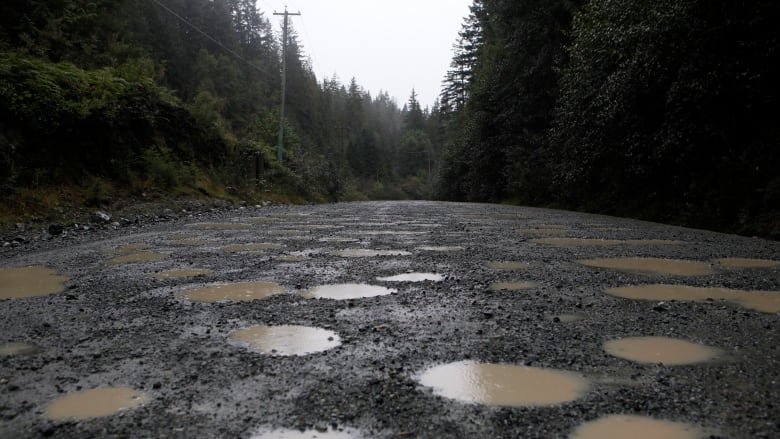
{"x": 635, "y": 427}
{"x": 574, "y": 242}
{"x": 508, "y": 265}
{"x": 18, "y": 283}
{"x": 87, "y": 404}
{"x": 368, "y": 253}
{"x": 441, "y": 248}
{"x": 512, "y": 286}
{"x": 654, "y": 350}
{"x": 322, "y": 433}
{"x": 747, "y": 263}
{"x": 138, "y": 257}
{"x": 177, "y": 274}
{"x": 545, "y": 230}
{"x": 504, "y": 384}
{"x": 253, "y": 247}
{"x": 238, "y": 292}
{"x": 285, "y": 340}
{"x": 413, "y": 277}
{"x": 15, "y": 348}
{"x": 347, "y": 291}
{"x": 672, "y": 267}
{"x": 763, "y": 301}
{"x": 218, "y": 226}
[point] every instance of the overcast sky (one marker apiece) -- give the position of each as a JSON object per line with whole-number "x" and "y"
{"x": 391, "y": 45}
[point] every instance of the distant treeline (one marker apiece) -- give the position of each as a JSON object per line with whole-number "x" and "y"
{"x": 167, "y": 93}
{"x": 661, "y": 109}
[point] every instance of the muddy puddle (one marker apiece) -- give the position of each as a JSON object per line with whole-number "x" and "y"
{"x": 138, "y": 257}
{"x": 252, "y": 247}
{"x": 663, "y": 350}
{"x": 322, "y": 433}
{"x": 346, "y": 291}
{"x": 13, "y": 349}
{"x": 338, "y": 239}
{"x": 87, "y": 404}
{"x": 285, "y": 340}
{"x": 512, "y": 286}
{"x": 589, "y": 242}
{"x": 368, "y": 253}
{"x": 441, "y": 248}
{"x": 549, "y": 230}
{"x": 413, "y": 277}
{"x": 23, "y": 282}
{"x": 238, "y": 292}
{"x": 747, "y": 263}
{"x": 763, "y": 301}
{"x": 184, "y": 273}
{"x": 508, "y": 265}
{"x": 218, "y": 226}
{"x": 652, "y": 266}
{"x": 635, "y": 427}
{"x": 504, "y": 384}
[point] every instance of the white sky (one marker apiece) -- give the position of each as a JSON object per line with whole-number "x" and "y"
{"x": 390, "y": 45}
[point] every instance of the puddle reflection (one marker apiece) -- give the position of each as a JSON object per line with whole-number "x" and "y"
{"x": 286, "y": 340}
{"x": 347, "y": 291}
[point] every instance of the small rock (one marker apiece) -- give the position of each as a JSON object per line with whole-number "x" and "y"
{"x": 101, "y": 217}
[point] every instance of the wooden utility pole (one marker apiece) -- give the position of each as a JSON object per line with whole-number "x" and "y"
{"x": 280, "y": 147}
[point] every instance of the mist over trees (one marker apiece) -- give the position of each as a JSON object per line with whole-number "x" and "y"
{"x": 656, "y": 109}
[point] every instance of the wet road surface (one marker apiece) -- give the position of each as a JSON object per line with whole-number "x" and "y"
{"x": 392, "y": 319}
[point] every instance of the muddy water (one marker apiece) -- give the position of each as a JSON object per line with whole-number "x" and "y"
{"x": 326, "y": 433}
{"x": 635, "y": 427}
{"x": 368, "y": 253}
{"x": 176, "y": 274}
{"x": 763, "y": 301}
{"x": 545, "y": 230}
{"x": 672, "y": 267}
{"x": 574, "y": 242}
{"x": 18, "y": 283}
{"x": 238, "y": 248}
{"x": 654, "y": 350}
{"x": 747, "y": 263}
{"x": 218, "y": 226}
{"x": 285, "y": 340}
{"x": 503, "y": 384}
{"x": 413, "y": 277}
{"x": 347, "y": 291}
{"x": 15, "y": 348}
{"x": 95, "y": 403}
{"x": 239, "y": 292}
{"x": 138, "y": 257}
{"x": 512, "y": 286}
{"x": 508, "y": 265}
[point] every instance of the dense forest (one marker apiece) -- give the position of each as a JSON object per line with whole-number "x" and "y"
{"x": 654, "y": 109}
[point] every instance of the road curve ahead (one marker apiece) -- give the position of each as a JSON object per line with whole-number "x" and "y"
{"x": 392, "y": 320}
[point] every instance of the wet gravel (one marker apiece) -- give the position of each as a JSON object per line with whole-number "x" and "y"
{"x": 116, "y": 325}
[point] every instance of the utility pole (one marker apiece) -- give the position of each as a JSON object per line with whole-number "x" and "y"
{"x": 280, "y": 147}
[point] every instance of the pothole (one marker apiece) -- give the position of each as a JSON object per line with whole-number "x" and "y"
{"x": 413, "y": 277}
{"x": 672, "y": 267}
{"x": 254, "y": 247}
{"x": 655, "y": 350}
{"x": 747, "y": 263}
{"x": 138, "y": 257}
{"x": 504, "y": 384}
{"x": 763, "y": 301}
{"x": 635, "y": 427}
{"x": 508, "y": 265}
{"x": 440, "y": 248}
{"x": 87, "y": 404}
{"x": 512, "y": 286}
{"x": 218, "y": 226}
{"x": 13, "y": 349}
{"x": 19, "y": 283}
{"x": 285, "y": 340}
{"x": 176, "y": 274}
{"x": 368, "y": 253}
{"x": 238, "y": 292}
{"x": 346, "y": 291}
{"x": 574, "y": 242}
{"x": 323, "y": 432}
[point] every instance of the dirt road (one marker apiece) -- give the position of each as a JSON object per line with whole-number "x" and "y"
{"x": 506, "y": 322}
